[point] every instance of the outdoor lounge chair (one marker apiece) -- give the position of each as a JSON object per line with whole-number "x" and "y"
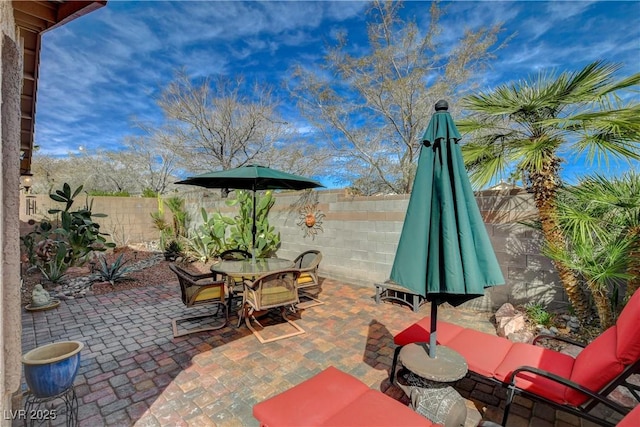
{"x": 575, "y": 385}
{"x": 335, "y": 398}
{"x": 196, "y": 290}
{"x": 307, "y": 264}
{"x": 272, "y": 290}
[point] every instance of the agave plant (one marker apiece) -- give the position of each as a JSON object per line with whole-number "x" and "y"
{"x": 115, "y": 272}
{"x": 56, "y": 266}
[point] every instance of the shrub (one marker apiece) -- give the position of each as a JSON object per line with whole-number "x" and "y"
{"x": 115, "y": 272}
{"x": 539, "y": 315}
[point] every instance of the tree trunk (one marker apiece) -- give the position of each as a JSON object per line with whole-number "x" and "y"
{"x": 603, "y": 305}
{"x": 545, "y": 187}
{"x": 633, "y": 268}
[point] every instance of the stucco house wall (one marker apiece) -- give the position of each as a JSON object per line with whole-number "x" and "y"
{"x": 10, "y": 330}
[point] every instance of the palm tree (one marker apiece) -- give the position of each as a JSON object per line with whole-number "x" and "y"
{"x": 601, "y": 210}
{"x": 600, "y": 218}
{"x": 524, "y": 127}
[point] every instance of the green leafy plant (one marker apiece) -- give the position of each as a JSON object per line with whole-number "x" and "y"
{"x": 149, "y": 193}
{"x": 172, "y": 250}
{"x": 210, "y": 238}
{"x": 539, "y": 315}
{"x": 173, "y": 231}
{"x": 77, "y": 228}
{"x": 65, "y": 240}
{"x": 267, "y": 240}
{"x": 179, "y": 214}
{"x": 115, "y": 272}
{"x": 55, "y": 267}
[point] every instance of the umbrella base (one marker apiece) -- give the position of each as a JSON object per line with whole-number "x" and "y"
{"x": 436, "y": 401}
{"x": 426, "y": 381}
{"x": 447, "y": 366}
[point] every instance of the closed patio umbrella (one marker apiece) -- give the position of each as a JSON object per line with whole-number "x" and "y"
{"x": 444, "y": 252}
{"x": 254, "y": 178}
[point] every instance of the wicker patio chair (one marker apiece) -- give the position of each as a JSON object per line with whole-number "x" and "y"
{"x": 234, "y": 283}
{"x": 196, "y": 290}
{"x": 307, "y": 264}
{"x": 272, "y": 290}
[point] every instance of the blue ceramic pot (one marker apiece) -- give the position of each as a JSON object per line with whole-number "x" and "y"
{"x": 51, "y": 369}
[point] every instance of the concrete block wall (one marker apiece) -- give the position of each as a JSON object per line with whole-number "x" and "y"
{"x": 359, "y": 235}
{"x": 128, "y": 218}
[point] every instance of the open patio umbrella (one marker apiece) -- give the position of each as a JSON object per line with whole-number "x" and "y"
{"x": 444, "y": 252}
{"x": 254, "y": 178}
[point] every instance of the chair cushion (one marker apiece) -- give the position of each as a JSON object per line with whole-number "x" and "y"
{"x": 483, "y": 352}
{"x": 305, "y": 278}
{"x": 311, "y": 402}
{"x": 628, "y": 343}
{"x": 522, "y": 354}
{"x": 419, "y": 332}
{"x": 210, "y": 293}
{"x": 596, "y": 365}
{"x": 374, "y": 408}
{"x": 632, "y": 419}
{"x": 277, "y": 295}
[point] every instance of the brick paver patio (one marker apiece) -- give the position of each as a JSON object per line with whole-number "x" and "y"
{"x": 134, "y": 372}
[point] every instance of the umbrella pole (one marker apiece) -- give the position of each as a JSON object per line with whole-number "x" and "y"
{"x": 433, "y": 330}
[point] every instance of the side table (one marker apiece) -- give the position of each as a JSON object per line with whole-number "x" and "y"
{"x": 426, "y": 382}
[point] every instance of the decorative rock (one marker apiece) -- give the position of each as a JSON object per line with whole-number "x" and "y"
{"x": 510, "y": 325}
{"x": 505, "y": 310}
{"x": 545, "y": 331}
{"x": 573, "y": 324}
{"x": 554, "y": 330}
{"x": 508, "y": 320}
{"x": 40, "y": 297}
{"x": 77, "y": 285}
{"x": 524, "y": 336}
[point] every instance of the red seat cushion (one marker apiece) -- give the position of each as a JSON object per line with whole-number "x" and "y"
{"x": 595, "y": 366}
{"x": 632, "y": 419}
{"x": 537, "y": 357}
{"x": 374, "y": 408}
{"x": 628, "y": 343}
{"x": 419, "y": 332}
{"x": 311, "y": 402}
{"x": 483, "y": 352}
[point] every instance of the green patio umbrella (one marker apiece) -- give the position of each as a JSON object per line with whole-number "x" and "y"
{"x": 254, "y": 178}
{"x": 444, "y": 252}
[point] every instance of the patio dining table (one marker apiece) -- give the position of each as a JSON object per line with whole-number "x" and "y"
{"x": 248, "y": 269}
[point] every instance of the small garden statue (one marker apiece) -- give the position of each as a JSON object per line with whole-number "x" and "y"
{"x": 40, "y": 297}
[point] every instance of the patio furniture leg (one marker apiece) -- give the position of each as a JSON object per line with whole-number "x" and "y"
{"x": 174, "y": 323}
{"x": 507, "y": 407}
{"x": 263, "y": 340}
{"x": 242, "y": 314}
{"x": 392, "y": 373}
{"x": 304, "y": 294}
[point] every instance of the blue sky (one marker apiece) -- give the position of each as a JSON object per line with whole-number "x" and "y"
{"x": 101, "y": 71}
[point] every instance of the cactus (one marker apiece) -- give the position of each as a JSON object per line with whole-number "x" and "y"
{"x": 267, "y": 240}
